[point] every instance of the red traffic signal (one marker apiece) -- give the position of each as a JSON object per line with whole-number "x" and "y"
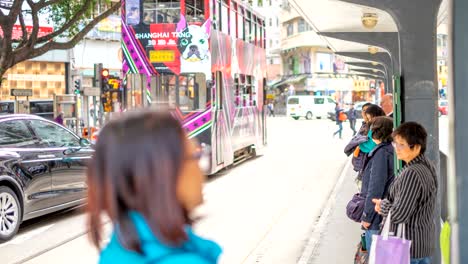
{"x": 105, "y": 73}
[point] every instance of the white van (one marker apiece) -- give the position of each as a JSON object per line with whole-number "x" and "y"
{"x": 309, "y": 106}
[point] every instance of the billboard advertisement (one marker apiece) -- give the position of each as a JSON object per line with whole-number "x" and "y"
{"x": 171, "y": 48}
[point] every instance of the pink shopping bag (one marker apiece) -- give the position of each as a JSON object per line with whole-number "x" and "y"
{"x": 388, "y": 249}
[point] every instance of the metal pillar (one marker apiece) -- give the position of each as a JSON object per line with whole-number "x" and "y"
{"x": 417, "y": 26}
{"x": 458, "y": 150}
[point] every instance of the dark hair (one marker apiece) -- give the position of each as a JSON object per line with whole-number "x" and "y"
{"x": 382, "y": 128}
{"x": 366, "y": 105}
{"x": 413, "y": 133}
{"x": 136, "y": 164}
{"x": 375, "y": 111}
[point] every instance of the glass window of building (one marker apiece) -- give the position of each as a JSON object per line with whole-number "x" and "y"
{"x": 155, "y": 11}
{"x": 290, "y": 29}
{"x": 301, "y": 25}
{"x": 271, "y": 22}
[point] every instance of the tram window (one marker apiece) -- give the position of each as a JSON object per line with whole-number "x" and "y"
{"x": 218, "y": 15}
{"x": 233, "y": 23}
{"x": 240, "y": 23}
{"x": 224, "y": 19}
{"x": 166, "y": 90}
{"x": 133, "y": 14}
{"x": 161, "y": 11}
{"x": 248, "y": 28}
{"x": 192, "y": 92}
{"x": 245, "y": 90}
{"x": 194, "y": 10}
{"x": 259, "y": 32}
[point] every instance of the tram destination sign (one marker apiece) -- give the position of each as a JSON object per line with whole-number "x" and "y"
{"x": 21, "y": 92}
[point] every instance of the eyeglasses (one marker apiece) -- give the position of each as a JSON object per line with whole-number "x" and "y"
{"x": 203, "y": 156}
{"x": 400, "y": 146}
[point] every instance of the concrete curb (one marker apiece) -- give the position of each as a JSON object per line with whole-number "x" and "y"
{"x": 314, "y": 239}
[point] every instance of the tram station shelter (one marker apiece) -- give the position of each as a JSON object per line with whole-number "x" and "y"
{"x": 398, "y": 40}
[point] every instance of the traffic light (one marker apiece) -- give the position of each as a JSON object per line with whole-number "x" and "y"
{"x": 105, "y": 87}
{"x": 77, "y": 86}
{"x": 105, "y": 73}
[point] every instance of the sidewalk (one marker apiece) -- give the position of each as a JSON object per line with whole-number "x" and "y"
{"x": 337, "y": 241}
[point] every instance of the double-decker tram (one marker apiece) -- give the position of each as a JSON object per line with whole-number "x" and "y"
{"x": 205, "y": 60}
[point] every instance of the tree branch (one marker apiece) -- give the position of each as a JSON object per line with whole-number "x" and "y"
{"x": 41, "y": 4}
{"x": 15, "y": 10}
{"x": 27, "y": 54}
{"x": 67, "y": 25}
{"x": 24, "y": 37}
{"x": 35, "y": 18}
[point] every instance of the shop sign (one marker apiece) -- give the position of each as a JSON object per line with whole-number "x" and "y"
{"x": 21, "y": 92}
{"x": 36, "y": 77}
{"x": 17, "y": 32}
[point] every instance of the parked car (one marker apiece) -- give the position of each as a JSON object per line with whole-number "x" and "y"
{"x": 309, "y": 106}
{"x": 42, "y": 170}
{"x": 443, "y": 107}
{"x": 358, "y": 107}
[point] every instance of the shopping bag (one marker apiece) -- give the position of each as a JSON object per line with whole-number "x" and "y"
{"x": 445, "y": 242}
{"x": 388, "y": 249}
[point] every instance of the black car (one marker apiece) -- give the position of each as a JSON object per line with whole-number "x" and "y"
{"x": 42, "y": 170}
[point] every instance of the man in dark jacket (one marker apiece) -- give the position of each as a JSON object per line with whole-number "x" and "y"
{"x": 377, "y": 174}
{"x": 352, "y": 116}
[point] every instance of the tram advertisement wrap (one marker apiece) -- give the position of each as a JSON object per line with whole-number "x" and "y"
{"x": 176, "y": 48}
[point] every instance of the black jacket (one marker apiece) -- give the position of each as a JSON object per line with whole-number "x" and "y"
{"x": 377, "y": 176}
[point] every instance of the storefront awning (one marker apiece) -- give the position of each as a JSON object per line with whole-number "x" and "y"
{"x": 290, "y": 80}
{"x": 272, "y": 83}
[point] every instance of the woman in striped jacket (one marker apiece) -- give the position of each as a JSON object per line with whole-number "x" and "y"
{"x": 413, "y": 194}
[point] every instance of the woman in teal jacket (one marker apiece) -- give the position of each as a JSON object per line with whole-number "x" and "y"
{"x": 146, "y": 177}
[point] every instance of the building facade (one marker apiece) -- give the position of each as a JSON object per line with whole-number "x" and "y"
{"x": 271, "y": 10}
{"x": 101, "y": 45}
{"x": 45, "y": 75}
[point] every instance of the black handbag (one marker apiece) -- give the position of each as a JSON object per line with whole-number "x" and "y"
{"x": 355, "y": 207}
